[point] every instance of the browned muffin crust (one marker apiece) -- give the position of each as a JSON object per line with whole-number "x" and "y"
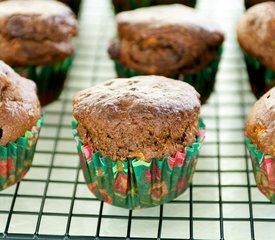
{"x": 260, "y": 124}
{"x": 256, "y": 33}
{"x": 19, "y": 105}
{"x": 165, "y": 40}
{"x": 33, "y": 27}
{"x": 18, "y": 52}
{"x": 150, "y": 115}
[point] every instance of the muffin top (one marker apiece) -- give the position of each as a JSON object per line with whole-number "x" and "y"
{"x": 164, "y": 39}
{"x": 260, "y": 124}
{"x": 38, "y": 26}
{"x": 19, "y": 105}
{"x": 149, "y": 116}
{"x": 167, "y": 15}
{"x": 256, "y": 33}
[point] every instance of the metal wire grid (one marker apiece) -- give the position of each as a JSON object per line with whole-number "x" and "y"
{"x": 53, "y": 202}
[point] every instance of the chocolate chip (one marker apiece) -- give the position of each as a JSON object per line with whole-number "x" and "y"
{"x": 268, "y": 96}
{"x": 1, "y": 132}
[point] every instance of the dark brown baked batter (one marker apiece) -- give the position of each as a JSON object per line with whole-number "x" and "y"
{"x": 37, "y": 33}
{"x": 149, "y": 115}
{"x": 256, "y": 33}
{"x": 19, "y": 105}
{"x": 260, "y": 124}
{"x": 165, "y": 40}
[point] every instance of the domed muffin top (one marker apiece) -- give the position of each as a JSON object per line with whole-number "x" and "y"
{"x": 260, "y": 124}
{"x": 161, "y": 94}
{"x": 35, "y": 32}
{"x": 37, "y": 20}
{"x": 151, "y": 115}
{"x": 166, "y": 40}
{"x": 19, "y": 105}
{"x": 167, "y": 15}
{"x": 256, "y": 33}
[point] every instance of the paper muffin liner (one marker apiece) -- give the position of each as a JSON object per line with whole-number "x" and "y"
{"x": 203, "y": 81}
{"x": 125, "y": 5}
{"x": 16, "y": 157}
{"x": 263, "y": 168}
{"x": 261, "y": 78}
{"x": 134, "y": 183}
{"x": 49, "y": 79}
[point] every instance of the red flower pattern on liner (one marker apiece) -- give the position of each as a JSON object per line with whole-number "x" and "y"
{"x": 153, "y": 174}
{"x": 270, "y": 170}
{"x": 158, "y": 191}
{"x": 92, "y": 186}
{"x": 106, "y": 197}
{"x": 181, "y": 184}
{"x": 83, "y": 163}
{"x": 202, "y": 134}
{"x": 265, "y": 177}
{"x": 177, "y": 161}
{"x": 121, "y": 183}
{"x": 262, "y": 182}
{"x": 6, "y": 166}
{"x": 88, "y": 152}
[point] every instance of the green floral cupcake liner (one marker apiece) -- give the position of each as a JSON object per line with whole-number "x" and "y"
{"x": 261, "y": 78}
{"x": 263, "y": 168}
{"x": 125, "y": 5}
{"x": 16, "y": 157}
{"x": 134, "y": 183}
{"x": 49, "y": 79}
{"x": 203, "y": 81}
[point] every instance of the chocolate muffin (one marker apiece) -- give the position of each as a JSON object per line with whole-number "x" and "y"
{"x": 161, "y": 116}
{"x": 19, "y": 125}
{"x": 260, "y": 124}
{"x": 126, "y": 5}
{"x": 142, "y": 121}
{"x": 260, "y": 142}
{"x": 170, "y": 40}
{"x": 250, "y": 3}
{"x": 20, "y": 108}
{"x": 36, "y": 40}
{"x": 256, "y": 34}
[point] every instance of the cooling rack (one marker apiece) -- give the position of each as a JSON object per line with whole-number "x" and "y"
{"x": 53, "y": 202}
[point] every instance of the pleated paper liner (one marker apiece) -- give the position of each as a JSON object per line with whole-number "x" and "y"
{"x": 134, "y": 183}
{"x": 49, "y": 79}
{"x": 125, "y": 5}
{"x": 16, "y": 157}
{"x": 263, "y": 168}
{"x": 203, "y": 81}
{"x": 261, "y": 78}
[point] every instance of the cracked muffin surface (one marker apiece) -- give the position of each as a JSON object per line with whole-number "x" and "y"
{"x": 149, "y": 116}
{"x": 36, "y": 33}
{"x": 256, "y": 33}
{"x": 260, "y": 124}
{"x": 19, "y": 105}
{"x": 165, "y": 40}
